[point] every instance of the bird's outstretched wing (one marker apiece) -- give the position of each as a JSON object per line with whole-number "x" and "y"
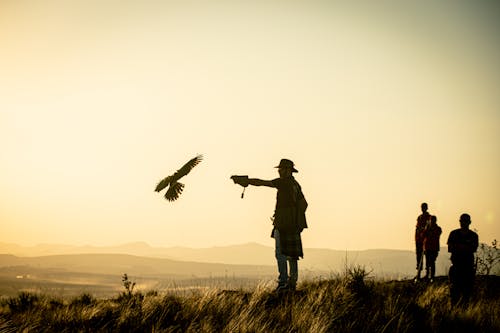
{"x": 163, "y": 183}
{"x": 175, "y": 188}
{"x": 186, "y": 168}
{"x": 174, "y": 191}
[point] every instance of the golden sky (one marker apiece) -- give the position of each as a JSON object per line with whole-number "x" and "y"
{"x": 381, "y": 107}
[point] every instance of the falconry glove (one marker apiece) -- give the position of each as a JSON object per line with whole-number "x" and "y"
{"x": 240, "y": 180}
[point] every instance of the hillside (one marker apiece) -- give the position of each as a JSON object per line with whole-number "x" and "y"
{"x": 347, "y": 304}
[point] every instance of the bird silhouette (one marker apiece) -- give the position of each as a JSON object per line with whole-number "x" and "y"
{"x": 175, "y": 188}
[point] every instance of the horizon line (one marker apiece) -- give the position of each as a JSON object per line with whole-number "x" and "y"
{"x": 144, "y": 243}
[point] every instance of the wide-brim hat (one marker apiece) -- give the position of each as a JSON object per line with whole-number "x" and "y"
{"x": 285, "y": 163}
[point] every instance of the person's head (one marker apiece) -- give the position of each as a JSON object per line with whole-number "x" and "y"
{"x": 286, "y": 168}
{"x": 434, "y": 219}
{"x": 424, "y": 207}
{"x": 465, "y": 221}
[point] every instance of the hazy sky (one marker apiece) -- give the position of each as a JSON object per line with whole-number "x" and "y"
{"x": 381, "y": 107}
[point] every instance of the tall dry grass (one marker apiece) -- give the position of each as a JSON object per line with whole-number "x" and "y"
{"x": 348, "y": 303}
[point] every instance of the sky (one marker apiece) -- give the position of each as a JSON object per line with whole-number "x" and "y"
{"x": 382, "y": 106}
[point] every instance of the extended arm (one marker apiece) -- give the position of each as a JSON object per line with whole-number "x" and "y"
{"x": 260, "y": 182}
{"x": 245, "y": 181}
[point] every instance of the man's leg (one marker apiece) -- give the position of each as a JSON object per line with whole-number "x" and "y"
{"x": 459, "y": 284}
{"x": 282, "y": 262}
{"x": 433, "y": 264}
{"x": 420, "y": 260}
{"x": 428, "y": 262}
{"x": 454, "y": 287}
{"x": 294, "y": 273}
{"x": 468, "y": 283}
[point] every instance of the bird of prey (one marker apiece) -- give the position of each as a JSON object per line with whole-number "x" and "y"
{"x": 174, "y": 187}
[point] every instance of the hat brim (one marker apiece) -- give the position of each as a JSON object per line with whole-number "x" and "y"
{"x": 293, "y": 169}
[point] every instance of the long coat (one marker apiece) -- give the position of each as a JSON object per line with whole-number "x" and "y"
{"x": 290, "y": 221}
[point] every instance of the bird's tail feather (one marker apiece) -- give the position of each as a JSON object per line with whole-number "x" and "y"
{"x": 174, "y": 191}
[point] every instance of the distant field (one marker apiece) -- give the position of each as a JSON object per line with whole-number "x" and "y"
{"x": 52, "y": 282}
{"x": 14, "y": 280}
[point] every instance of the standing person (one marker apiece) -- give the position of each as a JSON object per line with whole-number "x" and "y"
{"x": 288, "y": 221}
{"x": 432, "y": 233}
{"x": 422, "y": 222}
{"x": 462, "y": 243}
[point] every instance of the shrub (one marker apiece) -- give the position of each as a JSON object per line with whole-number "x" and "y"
{"x": 23, "y": 302}
{"x": 356, "y": 279}
{"x": 85, "y": 299}
{"x": 488, "y": 258}
{"x": 128, "y": 285}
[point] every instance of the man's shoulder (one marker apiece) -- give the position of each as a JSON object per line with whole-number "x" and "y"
{"x": 280, "y": 182}
{"x": 421, "y": 221}
{"x": 473, "y": 234}
{"x": 423, "y": 217}
{"x": 459, "y": 233}
{"x": 277, "y": 182}
{"x": 436, "y": 228}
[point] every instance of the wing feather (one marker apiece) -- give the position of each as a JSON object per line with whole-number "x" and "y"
{"x": 163, "y": 183}
{"x": 175, "y": 188}
{"x": 186, "y": 168}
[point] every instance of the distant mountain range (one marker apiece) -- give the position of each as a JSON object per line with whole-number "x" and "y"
{"x": 246, "y": 259}
{"x": 118, "y": 264}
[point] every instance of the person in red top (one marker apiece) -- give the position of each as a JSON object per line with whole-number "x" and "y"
{"x": 432, "y": 233}
{"x": 422, "y": 222}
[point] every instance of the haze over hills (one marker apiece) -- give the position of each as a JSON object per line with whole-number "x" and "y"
{"x": 117, "y": 264}
{"x": 101, "y": 274}
{"x": 382, "y": 262}
{"x": 70, "y": 270}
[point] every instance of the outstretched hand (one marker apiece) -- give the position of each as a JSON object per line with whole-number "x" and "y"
{"x": 240, "y": 180}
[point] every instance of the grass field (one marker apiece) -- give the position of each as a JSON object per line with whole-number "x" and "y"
{"x": 349, "y": 303}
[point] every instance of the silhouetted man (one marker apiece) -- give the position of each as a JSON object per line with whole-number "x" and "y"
{"x": 462, "y": 243}
{"x": 422, "y": 222}
{"x": 432, "y": 233}
{"x": 288, "y": 221}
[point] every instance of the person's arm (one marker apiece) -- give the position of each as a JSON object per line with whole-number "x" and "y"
{"x": 451, "y": 243}
{"x": 245, "y": 181}
{"x": 260, "y": 182}
{"x": 475, "y": 244}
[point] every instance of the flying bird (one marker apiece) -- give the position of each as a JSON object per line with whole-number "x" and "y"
{"x": 174, "y": 187}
